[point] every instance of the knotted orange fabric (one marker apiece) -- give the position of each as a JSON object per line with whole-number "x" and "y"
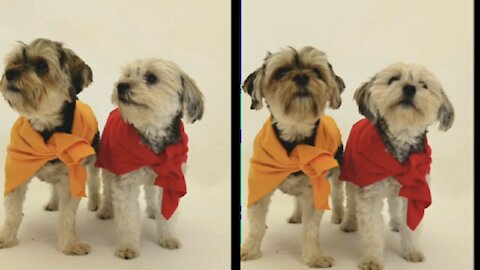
{"x": 270, "y": 164}
{"x": 27, "y": 151}
{"x": 367, "y": 161}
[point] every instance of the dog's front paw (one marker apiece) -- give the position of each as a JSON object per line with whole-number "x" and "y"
{"x": 51, "y": 206}
{"x": 349, "y": 225}
{"x": 371, "y": 263}
{"x": 320, "y": 261}
{"x": 77, "y": 249}
{"x": 6, "y": 242}
{"x": 170, "y": 243}
{"x": 414, "y": 256}
{"x": 105, "y": 213}
{"x": 249, "y": 254}
{"x": 127, "y": 252}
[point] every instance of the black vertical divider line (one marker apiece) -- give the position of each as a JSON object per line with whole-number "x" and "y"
{"x": 236, "y": 132}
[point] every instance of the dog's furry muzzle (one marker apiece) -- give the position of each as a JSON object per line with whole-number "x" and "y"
{"x": 126, "y": 99}
{"x": 302, "y": 100}
{"x": 11, "y": 87}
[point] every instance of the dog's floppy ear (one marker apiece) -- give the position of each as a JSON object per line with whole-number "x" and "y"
{"x": 445, "y": 114}
{"x": 335, "y": 98}
{"x": 362, "y": 96}
{"x": 80, "y": 73}
{"x": 193, "y": 100}
{"x": 251, "y": 87}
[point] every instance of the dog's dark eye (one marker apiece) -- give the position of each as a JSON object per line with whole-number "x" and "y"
{"x": 424, "y": 85}
{"x": 151, "y": 78}
{"x": 317, "y": 72}
{"x": 41, "y": 67}
{"x": 281, "y": 72}
{"x": 392, "y": 79}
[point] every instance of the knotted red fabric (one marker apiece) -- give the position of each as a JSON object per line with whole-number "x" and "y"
{"x": 366, "y": 161}
{"x": 121, "y": 151}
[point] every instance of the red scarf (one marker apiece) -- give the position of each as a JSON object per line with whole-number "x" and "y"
{"x": 367, "y": 161}
{"x": 121, "y": 152}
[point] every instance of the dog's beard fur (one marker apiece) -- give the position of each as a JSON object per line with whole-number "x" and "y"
{"x": 287, "y": 100}
{"x": 154, "y": 107}
{"x": 296, "y": 107}
{"x": 40, "y": 94}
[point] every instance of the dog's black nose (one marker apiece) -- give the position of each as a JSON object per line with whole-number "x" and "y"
{"x": 409, "y": 90}
{"x": 301, "y": 79}
{"x": 12, "y": 74}
{"x": 122, "y": 88}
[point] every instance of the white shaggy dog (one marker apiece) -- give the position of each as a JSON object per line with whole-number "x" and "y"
{"x": 401, "y": 101}
{"x": 297, "y": 86}
{"x": 41, "y": 82}
{"x": 152, "y": 96}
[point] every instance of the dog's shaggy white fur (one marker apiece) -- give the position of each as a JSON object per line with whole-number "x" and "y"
{"x": 156, "y": 93}
{"x": 402, "y": 117}
{"x": 39, "y": 80}
{"x": 297, "y": 86}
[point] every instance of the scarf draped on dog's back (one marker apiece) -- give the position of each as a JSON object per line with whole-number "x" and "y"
{"x": 366, "y": 161}
{"x": 121, "y": 151}
{"x": 270, "y": 164}
{"x": 28, "y": 152}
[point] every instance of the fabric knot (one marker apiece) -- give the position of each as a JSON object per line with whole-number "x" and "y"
{"x": 365, "y": 162}
{"x": 27, "y": 151}
{"x": 121, "y": 152}
{"x": 270, "y": 163}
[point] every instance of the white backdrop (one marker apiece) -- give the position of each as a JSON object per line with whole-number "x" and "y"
{"x": 107, "y": 35}
{"x": 360, "y": 38}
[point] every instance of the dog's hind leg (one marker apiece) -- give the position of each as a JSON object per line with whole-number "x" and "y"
{"x": 93, "y": 184}
{"x": 52, "y": 204}
{"x": 394, "y": 205}
{"x": 338, "y": 191}
{"x": 151, "y": 200}
{"x": 349, "y": 223}
{"x": 106, "y": 206}
{"x": 296, "y": 217}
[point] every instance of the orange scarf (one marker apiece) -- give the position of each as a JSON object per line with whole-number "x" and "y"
{"x": 27, "y": 151}
{"x": 270, "y": 164}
